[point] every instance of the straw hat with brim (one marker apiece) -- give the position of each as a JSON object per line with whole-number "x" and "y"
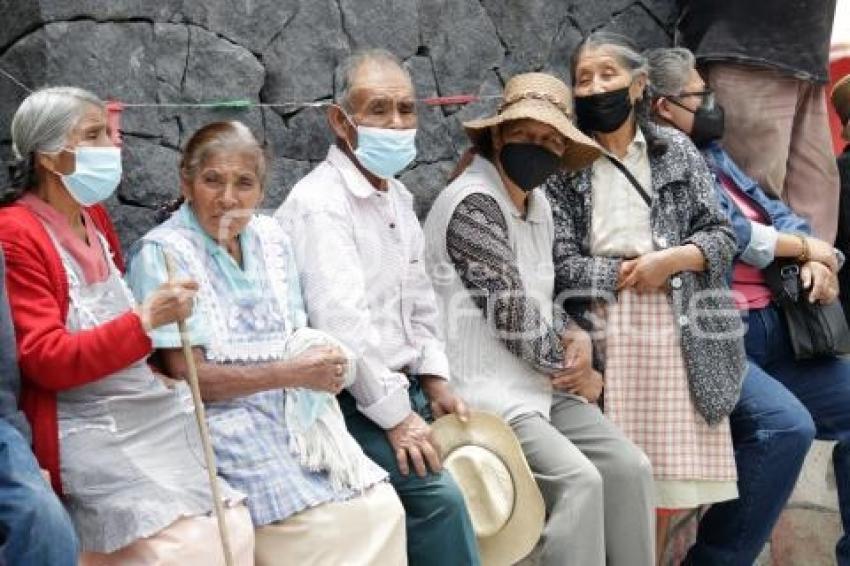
{"x": 544, "y": 98}
{"x": 503, "y": 500}
{"x": 841, "y": 98}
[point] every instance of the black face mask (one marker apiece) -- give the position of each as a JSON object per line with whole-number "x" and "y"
{"x": 603, "y": 112}
{"x": 709, "y": 122}
{"x": 528, "y": 165}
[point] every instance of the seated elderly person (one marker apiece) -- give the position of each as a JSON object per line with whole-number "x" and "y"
{"x": 489, "y": 239}
{"x": 268, "y": 381}
{"x": 120, "y": 446}
{"x": 784, "y": 402}
{"x": 34, "y": 528}
{"x": 359, "y": 249}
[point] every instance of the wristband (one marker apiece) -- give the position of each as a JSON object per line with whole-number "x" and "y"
{"x": 805, "y": 255}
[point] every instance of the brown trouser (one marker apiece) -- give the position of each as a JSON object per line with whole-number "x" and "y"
{"x": 777, "y": 131}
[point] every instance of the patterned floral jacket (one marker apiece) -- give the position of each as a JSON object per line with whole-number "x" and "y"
{"x": 684, "y": 211}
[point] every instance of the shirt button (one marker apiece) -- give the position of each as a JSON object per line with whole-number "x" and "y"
{"x": 676, "y": 283}
{"x": 392, "y": 224}
{"x": 683, "y": 320}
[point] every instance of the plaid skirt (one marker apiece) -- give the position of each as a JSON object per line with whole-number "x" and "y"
{"x": 647, "y": 397}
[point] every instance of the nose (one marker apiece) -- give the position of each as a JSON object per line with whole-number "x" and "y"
{"x": 596, "y": 86}
{"x": 228, "y": 197}
{"x": 397, "y": 122}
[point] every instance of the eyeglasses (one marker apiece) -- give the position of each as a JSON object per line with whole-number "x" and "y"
{"x": 707, "y": 96}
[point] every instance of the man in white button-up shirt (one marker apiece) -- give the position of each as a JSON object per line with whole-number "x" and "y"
{"x": 358, "y": 247}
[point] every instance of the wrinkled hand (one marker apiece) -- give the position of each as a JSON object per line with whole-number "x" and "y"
{"x": 321, "y": 368}
{"x": 578, "y": 350}
{"x": 443, "y": 400}
{"x": 578, "y": 376}
{"x": 822, "y": 252}
{"x": 412, "y": 442}
{"x": 647, "y": 273}
{"x": 588, "y": 384}
{"x": 822, "y": 282}
{"x": 172, "y": 302}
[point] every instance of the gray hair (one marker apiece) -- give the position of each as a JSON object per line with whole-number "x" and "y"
{"x": 46, "y": 117}
{"x": 621, "y": 47}
{"x": 346, "y": 72}
{"x": 42, "y": 123}
{"x": 669, "y": 70}
{"x": 221, "y": 137}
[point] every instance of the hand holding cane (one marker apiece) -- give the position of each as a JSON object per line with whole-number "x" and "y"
{"x": 201, "y": 417}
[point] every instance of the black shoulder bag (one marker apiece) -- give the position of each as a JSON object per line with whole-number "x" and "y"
{"x": 815, "y": 329}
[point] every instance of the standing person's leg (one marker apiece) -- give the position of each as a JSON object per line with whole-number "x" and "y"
{"x": 823, "y": 387}
{"x": 37, "y": 529}
{"x": 811, "y": 183}
{"x": 629, "y": 491}
{"x": 572, "y": 490}
{"x": 439, "y": 530}
{"x": 771, "y": 432}
{"x": 760, "y": 106}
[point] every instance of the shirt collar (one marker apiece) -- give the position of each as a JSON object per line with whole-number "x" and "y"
{"x": 352, "y": 178}
{"x": 638, "y": 144}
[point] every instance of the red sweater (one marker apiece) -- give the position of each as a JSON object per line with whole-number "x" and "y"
{"x": 51, "y": 358}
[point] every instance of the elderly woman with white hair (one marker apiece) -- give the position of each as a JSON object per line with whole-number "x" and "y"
{"x": 268, "y": 381}
{"x": 640, "y": 235}
{"x": 121, "y": 447}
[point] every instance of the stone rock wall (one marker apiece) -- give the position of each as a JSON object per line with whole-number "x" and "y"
{"x": 277, "y": 51}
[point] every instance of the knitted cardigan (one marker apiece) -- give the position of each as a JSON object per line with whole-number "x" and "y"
{"x": 684, "y": 210}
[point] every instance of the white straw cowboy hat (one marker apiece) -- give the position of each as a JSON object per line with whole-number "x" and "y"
{"x": 544, "y": 98}
{"x": 504, "y": 503}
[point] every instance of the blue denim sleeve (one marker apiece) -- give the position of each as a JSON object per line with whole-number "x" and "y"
{"x": 9, "y": 374}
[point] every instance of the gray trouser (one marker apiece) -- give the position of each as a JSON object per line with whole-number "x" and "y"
{"x": 597, "y": 486}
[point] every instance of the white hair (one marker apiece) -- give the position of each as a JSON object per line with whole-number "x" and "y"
{"x": 46, "y": 117}
{"x": 347, "y": 71}
{"x": 669, "y": 70}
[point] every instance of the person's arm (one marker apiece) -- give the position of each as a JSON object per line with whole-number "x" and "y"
{"x": 574, "y": 271}
{"x": 424, "y": 316}
{"x": 478, "y": 245}
{"x": 9, "y": 373}
{"x": 709, "y": 229}
{"x": 49, "y": 355}
{"x": 314, "y": 369}
{"x": 334, "y": 290}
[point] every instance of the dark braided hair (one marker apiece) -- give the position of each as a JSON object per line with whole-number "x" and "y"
{"x": 21, "y": 174}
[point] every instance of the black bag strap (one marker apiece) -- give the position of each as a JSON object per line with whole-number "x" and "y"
{"x": 635, "y": 183}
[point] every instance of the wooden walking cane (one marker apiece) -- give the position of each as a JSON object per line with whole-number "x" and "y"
{"x": 201, "y": 417}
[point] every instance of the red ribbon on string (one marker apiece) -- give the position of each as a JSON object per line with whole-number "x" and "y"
{"x": 448, "y": 100}
{"x": 113, "y": 120}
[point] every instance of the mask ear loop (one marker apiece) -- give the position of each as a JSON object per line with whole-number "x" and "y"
{"x": 57, "y": 152}
{"x": 349, "y": 119}
{"x": 679, "y": 104}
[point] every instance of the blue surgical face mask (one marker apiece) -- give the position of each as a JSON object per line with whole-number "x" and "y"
{"x": 383, "y": 151}
{"x": 96, "y": 175}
